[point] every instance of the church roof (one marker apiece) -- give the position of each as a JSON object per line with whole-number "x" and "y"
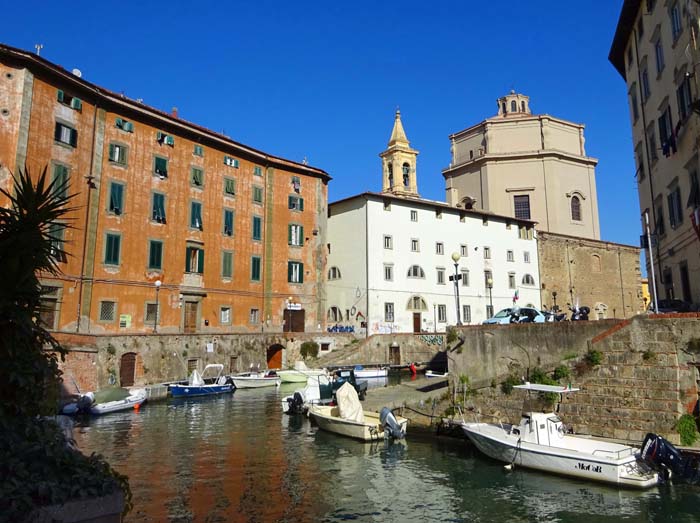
{"x": 398, "y": 135}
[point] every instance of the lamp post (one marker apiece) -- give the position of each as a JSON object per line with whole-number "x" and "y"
{"x": 554, "y": 297}
{"x": 489, "y": 284}
{"x": 289, "y": 314}
{"x": 155, "y": 320}
{"x": 455, "y": 258}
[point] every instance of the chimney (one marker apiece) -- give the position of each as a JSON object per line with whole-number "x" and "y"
{"x": 174, "y": 112}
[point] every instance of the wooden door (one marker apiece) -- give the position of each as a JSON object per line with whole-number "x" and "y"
{"x": 127, "y": 369}
{"x": 416, "y": 322}
{"x": 297, "y": 320}
{"x": 191, "y": 316}
{"x": 395, "y": 355}
{"x": 274, "y": 357}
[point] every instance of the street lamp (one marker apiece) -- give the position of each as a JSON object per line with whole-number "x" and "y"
{"x": 554, "y": 297}
{"x": 155, "y": 320}
{"x": 489, "y": 284}
{"x": 455, "y": 258}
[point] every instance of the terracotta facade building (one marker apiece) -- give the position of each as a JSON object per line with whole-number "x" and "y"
{"x": 176, "y": 228}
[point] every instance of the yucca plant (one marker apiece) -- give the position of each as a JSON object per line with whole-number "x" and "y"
{"x": 29, "y": 245}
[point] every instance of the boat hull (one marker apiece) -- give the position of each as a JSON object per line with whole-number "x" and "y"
{"x": 254, "y": 383}
{"x": 370, "y": 430}
{"x": 127, "y": 403}
{"x": 623, "y": 471}
{"x": 371, "y": 373}
{"x": 179, "y": 391}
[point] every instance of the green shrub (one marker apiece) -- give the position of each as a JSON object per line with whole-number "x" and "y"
{"x": 649, "y": 355}
{"x": 570, "y": 356}
{"x": 309, "y": 349}
{"x": 561, "y": 372}
{"x": 451, "y": 335}
{"x": 593, "y": 357}
{"x": 539, "y": 376}
{"x": 688, "y": 429}
{"x": 509, "y": 382}
{"x": 111, "y": 350}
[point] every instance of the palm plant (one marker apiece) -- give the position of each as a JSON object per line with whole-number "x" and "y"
{"x": 30, "y": 233}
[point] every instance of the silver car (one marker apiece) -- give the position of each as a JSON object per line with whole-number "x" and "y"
{"x": 516, "y": 315}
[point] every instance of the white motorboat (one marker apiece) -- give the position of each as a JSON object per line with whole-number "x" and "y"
{"x": 361, "y": 372}
{"x": 431, "y": 374}
{"x": 541, "y": 442}
{"x": 299, "y": 374}
{"x": 255, "y": 380}
{"x": 134, "y": 400}
{"x": 301, "y": 399}
{"x": 211, "y": 381}
{"x": 347, "y": 418}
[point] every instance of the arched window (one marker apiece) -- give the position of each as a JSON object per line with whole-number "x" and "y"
{"x": 528, "y": 280}
{"x": 415, "y": 271}
{"x": 503, "y": 107}
{"x": 576, "y": 208}
{"x": 595, "y": 263}
{"x": 513, "y": 106}
{"x": 416, "y": 303}
{"x": 390, "y": 169}
{"x": 406, "y": 170}
{"x": 468, "y": 202}
{"x": 334, "y": 273}
{"x": 522, "y": 106}
{"x": 334, "y": 314}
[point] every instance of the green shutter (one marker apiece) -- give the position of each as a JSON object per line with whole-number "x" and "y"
{"x": 200, "y": 255}
{"x": 74, "y": 137}
{"x": 129, "y": 127}
{"x": 60, "y": 95}
{"x": 111, "y": 151}
{"x": 226, "y": 270}
{"x": 290, "y": 267}
{"x": 301, "y": 235}
{"x": 229, "y": 186}
{"x": 188, "y": 252}
{"x": 57, "y": 132}
{"x": 76, "y": 104}
{"x": 289, "y": 234}
{"x": 301, "y": 204}
{"x": 301, "y": 272}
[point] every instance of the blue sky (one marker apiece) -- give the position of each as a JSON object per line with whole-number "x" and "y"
{"x": 322, "y": 80}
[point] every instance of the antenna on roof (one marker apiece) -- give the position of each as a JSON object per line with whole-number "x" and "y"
{"x": 38, "y": 48}
{"x": 305, "y": 161}
{"x": 77, "y": 73}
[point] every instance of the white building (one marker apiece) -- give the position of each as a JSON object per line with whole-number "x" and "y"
{"x": 390, "y": 256}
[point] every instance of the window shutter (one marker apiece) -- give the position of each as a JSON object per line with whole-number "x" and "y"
{"x": 301, "y": 272}
{"x": 200, "y": 269}
{"x": 301, "y": 236}
{"x": 301, "y": 204}
{"x": 290, "y": 202}
{"x": 60, "y": 96}
{"x": 128, "y": 127}
{"x": 289, "y": 234}
{"x": 74, "y": 137}
{"x": 188, "y": 253}
{"x": 76, "y": 104}
{"x": 290, "y": 267}
{"x": 111, "y": 152}
{"x": 57, "y": 132}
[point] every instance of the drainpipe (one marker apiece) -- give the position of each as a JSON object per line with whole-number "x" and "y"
{"x": 622, "y": 287}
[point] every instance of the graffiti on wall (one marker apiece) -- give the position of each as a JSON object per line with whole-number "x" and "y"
{"x": 432, "y": 339}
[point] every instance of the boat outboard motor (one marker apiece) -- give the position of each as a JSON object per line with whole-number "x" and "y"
{"x": 663, "y": 457}
{"x": 390, "y": 424}
{"x": 296, "y": 403}
{"x": 85, "y": 402}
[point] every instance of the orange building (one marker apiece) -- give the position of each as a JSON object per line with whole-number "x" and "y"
{"x": 176, "y": 228}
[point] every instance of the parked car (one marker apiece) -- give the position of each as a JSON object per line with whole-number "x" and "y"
{"x": 516, "y": 315}
{"x": 666, "y": 306}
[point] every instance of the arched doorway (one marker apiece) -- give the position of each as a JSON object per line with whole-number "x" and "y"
{"x": 127, "y": 369}
{"x": 274, "y": 356}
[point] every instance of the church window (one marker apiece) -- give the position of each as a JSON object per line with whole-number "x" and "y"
{"x": 390, "y": 168}
{"x": 521, "y": 204}
{"x": 503, "y": 106}
{"x": 522, "y": 106}
{"x": 406, "y": 169}
{"x": 513, "y": 106}
{"x": 575, "y": 208}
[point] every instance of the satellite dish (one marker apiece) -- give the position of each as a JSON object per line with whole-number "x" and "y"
{"x": 77, "y": 73}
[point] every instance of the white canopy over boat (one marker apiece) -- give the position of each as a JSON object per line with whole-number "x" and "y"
{"x": 349, "y": 405}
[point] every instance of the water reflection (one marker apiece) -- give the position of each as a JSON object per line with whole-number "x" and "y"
{"x": 237, "y": 458}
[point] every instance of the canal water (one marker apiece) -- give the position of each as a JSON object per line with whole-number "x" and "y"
{"x": 237, "y": 458}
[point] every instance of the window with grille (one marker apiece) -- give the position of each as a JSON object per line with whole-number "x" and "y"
{"x": 388, "y": 312}
{"x": 466, "y": 313}
{"x": 576, "y": 208}
{"x": 415, "y": 271}
{"x": 192, "y": 364}
{"x": 521, "y": 203}
{"x": 108, "y": 310}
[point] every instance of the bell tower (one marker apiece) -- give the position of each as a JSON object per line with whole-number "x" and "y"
{"x": 399, "y": 163}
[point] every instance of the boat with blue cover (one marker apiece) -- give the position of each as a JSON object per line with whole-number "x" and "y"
{"x": 201, "y": 385}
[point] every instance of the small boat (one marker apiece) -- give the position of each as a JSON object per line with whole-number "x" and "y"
{"x": 431, "y": 374}
{"x": 202, "y": 384}
{"x": 299, "y": 374}
{"x": 540, "y": 442}
{"x": 361, "y": 372}
{"x": 255, "y": 380}
{"x": 300, "y": 401}
{"x": 347, "y": 418}
{"x": 133, "y": 401}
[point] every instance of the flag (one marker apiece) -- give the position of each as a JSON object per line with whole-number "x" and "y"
{"x": 515, "y": 296}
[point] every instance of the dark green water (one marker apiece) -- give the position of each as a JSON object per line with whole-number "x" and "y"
{"x": 238, "y": 458}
